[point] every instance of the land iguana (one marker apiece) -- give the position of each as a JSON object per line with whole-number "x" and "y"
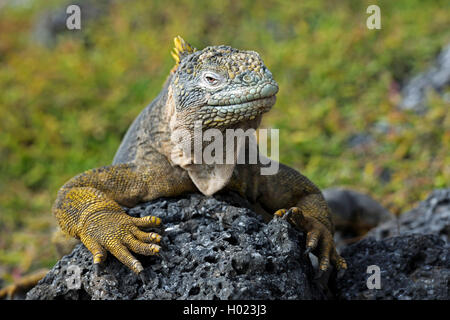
{"x": 223, "y": 88}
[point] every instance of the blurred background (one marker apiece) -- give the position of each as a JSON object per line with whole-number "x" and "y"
{"x": 343, "y": 110}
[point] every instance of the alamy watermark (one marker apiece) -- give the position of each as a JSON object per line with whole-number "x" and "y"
{"x": 374, "y": 281}
{"x": 374, "y": 20}
{"x": 73, "y": 21}
{"x": 229, "y": 146}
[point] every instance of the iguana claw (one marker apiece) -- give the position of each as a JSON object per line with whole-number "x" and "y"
{"x": 319, "y": 239}
{"x": 97, "y": 269}
{"x": 142, "y": 277}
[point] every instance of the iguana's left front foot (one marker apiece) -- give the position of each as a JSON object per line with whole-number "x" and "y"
{"x": 319, "y": 240}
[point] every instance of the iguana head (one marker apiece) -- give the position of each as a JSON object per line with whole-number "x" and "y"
{"x": 220, "y": 86}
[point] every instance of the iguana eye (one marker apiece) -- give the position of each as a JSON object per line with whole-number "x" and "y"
{"x": 212, "y": 79}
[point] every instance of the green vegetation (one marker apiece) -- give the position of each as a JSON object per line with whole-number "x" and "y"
{"x": 64, "y": 109}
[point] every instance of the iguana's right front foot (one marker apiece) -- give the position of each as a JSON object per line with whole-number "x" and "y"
{"x": 119, "y": 233}
{"x": 89, "y": 207}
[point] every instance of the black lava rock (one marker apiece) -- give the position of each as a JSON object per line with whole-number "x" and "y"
{"x": 431, "y": 216}
{"x": 213, "y": 250}
{"x": 412, "y": 267}
{"x": 217, "y": 248}
{"x": 411, "y": 251}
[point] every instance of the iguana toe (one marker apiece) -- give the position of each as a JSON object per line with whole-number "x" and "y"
{"x": 319, "y": 240}
{"x": 119, "y": 234}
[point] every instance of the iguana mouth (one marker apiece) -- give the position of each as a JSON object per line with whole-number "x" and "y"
{"x": 249, "y": 105}
{"x": 223, "y": 115}
{"x": 235, "y": 97}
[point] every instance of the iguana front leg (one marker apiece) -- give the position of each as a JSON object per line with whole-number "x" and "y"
{"x": 88, "y": 207}
{"x": 291, "y": 195}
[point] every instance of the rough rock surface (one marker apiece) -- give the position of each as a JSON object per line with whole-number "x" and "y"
{"x": 413, "y": 254}
{"x": 431, "y": 216}
{"x": 217, "y": 248}
{"x": 214, "y": 250}
{"x": 412, "y": 267}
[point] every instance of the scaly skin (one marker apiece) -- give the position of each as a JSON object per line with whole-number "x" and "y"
{"x": 87, "y": 208}
{"x": 223, "y": 88}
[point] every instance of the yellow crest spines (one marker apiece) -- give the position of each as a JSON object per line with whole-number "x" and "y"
{"x": 181, "y": 48}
